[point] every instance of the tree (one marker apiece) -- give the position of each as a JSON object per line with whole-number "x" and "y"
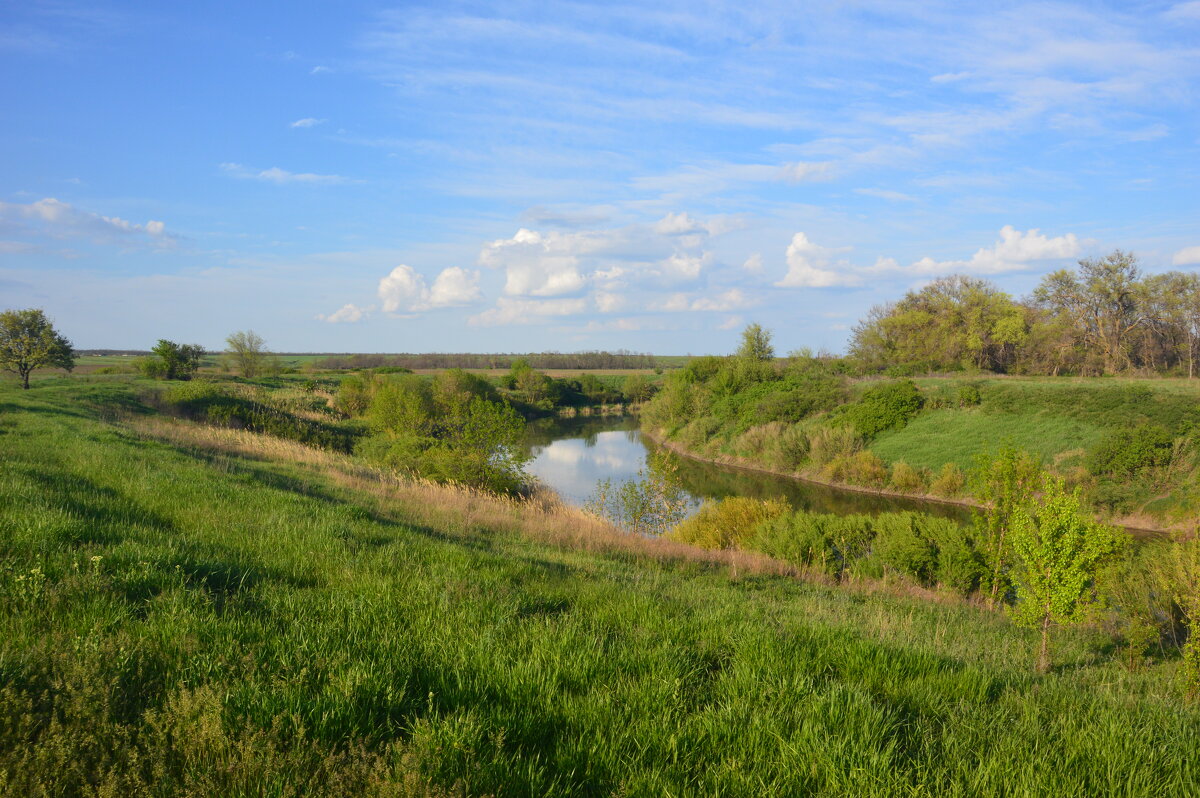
{"x": 249, "y": 352}
{"x": 172, "y": 361}
{"x": 1004, "y": 482}
{"x": 1103, "y": 303}
{"x": 28, "y": 341}
{"x": 1058, "y": 552}
{"x": 756, "y": 344}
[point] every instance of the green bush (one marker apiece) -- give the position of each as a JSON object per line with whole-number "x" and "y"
{"x": 727, "y": 523}
{"x": 907, "y": 479}
{"x": 885, "y": 407}
{"x": 1127, "y": 452}
{"x": 798, "y": 538}
{"x": 901, "y": 546}
{"x": 968, "y": 395}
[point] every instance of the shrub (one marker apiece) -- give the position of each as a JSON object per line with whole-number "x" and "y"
{"x": 826, "y": 443}
{"x": 862, "y": 468}
{"x": 959, "y": 565}
{"x": 798, "y": 538}
{"x": 900, "y": 546}
{"x": 907, "y": 479}
{"x": 727, "y": 523}
{"x": 886, "y": 407}
{"x": 968, "y": 395}
{"x": 1127, "y": 452}
{"x": 949, "y": 481}
{"x": 793, "y": 446}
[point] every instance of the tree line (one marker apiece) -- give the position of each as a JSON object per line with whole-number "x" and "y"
{"x": 620, "y": 359}
{"x": 1104, "y": 317}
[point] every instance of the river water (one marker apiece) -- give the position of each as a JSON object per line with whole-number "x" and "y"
{"x": 572, "y": 455}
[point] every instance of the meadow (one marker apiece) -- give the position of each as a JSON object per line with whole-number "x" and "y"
{"x": 191, "y": 610}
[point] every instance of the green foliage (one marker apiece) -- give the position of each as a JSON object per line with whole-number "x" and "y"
{"x": 652, "y": 504}
{"x": 756, "y": 344}
{"x": 248, "y": 353}
{"x": 949, "y": 481}
{"x": 1057, "y": 554}
{"x": 453, "y": 428}
{"x": 907, "y": 479}
{"x": 1129, "y": 451}
{"x": 29, "y": 341}
{"x": 1004, "y": 482}
{"x": 258, "y": 627}
{"x": 968, "y": 395}
{"x": 171, "y": 361}
{"x": 901, "y": 545}
{"x": 214, "y": 404}
{"x": 885, "y": 407}
{"x": 727, "y": 523}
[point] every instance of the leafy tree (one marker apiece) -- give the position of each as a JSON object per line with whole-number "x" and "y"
{"x": 172, "y": 361}
{"x": 1058, "y": 552}
{"x": 1102, "y": 302}
{"x": 29, "y": 341}
{"x": 1004, "y": 482}
{"x": 249, "y": 352}
{"x": 756, "y": 344}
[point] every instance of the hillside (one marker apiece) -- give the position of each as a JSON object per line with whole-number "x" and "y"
{"x": 191, "y": 610}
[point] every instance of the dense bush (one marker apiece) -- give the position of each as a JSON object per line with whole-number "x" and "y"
{"x": 1127, "y": 452}
{"x": 885, "y": 407}
{"x": 728, "y": 523}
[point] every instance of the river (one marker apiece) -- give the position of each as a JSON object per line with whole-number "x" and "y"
{"x": 572, "y": 455}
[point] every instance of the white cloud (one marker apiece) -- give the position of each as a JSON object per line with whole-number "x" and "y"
{"x": 346, "y": 314}
{"x": 682, "y": 266}
{"x": 280, "y": 176}
{"x": 318, "y": 70}
{"x": 526, "y": 311}
{"x": 754, "y": 263}
{"x": 608, "y": 302}
{"x": 733, "y": 299}
{"x": 63, "y": 220}
{"x": 1014, "y": 251}
{"x": 536, "y": 264}
{"x": 886, "y": 194}
{"x": 308, "y": 121}
{"x": 731, "y": 323}
{"x": 813, "y": 266}
{"x": 1187, "y": 255}
{"x": 677, "y": 224}
{"x": 453, "y": 287}
{"x": 404, "y": 290}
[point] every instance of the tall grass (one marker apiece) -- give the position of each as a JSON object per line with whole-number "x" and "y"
{"x": 208, "y": 612}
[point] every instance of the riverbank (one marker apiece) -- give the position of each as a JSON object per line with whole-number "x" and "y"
{"x": 659, "y": 438}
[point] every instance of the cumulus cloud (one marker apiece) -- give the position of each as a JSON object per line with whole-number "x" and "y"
{"x": 404, "y": 290}
{"x": 1014, "y": 251}
{"x": 280, "y": 176}
{"x": 346, "y": 314}
{"x": 526, "y": 311}
{"x": 754, "y": 263}
{"x": 1186, "y": 256}
{"x": 811, "y": 265}
{"x": 60, "y": 219}
{"x": 308, "y": 121}
{"x": 684, "y": 266}
{"x": 536, "y": 264}
{"x": 608, "y": 301}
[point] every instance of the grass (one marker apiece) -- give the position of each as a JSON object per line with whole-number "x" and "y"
{"x": 956, "y": 436}
{"x": 210, "y": 612}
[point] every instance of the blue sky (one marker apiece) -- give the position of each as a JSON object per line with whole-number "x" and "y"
{"x": 564, "y": 176}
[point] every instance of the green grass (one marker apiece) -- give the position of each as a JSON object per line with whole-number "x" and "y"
{"x": 178, "y": 621}
{"x": 957, "y": 435}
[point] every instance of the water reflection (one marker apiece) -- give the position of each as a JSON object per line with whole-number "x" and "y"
{"x": 572, "y": 455}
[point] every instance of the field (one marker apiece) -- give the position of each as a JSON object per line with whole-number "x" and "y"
{"x": 192, "y": 610}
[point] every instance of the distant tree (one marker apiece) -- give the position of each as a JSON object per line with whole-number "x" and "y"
{"x": 1103, "y": 303}
{"x": 172, "y": 361}
{"x": 249, "y": 352}
{"x": 28, "y": 341}
{"x": 1058, "y": 552}
{"x": 756, "y": 344}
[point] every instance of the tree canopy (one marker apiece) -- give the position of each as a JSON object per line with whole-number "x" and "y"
{"x": 29, "y": 341}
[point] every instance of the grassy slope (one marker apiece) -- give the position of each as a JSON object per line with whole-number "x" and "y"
{"x": 258, "y": 626}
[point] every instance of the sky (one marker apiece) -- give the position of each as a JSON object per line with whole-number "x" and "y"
{"x": 566, "y": 176}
